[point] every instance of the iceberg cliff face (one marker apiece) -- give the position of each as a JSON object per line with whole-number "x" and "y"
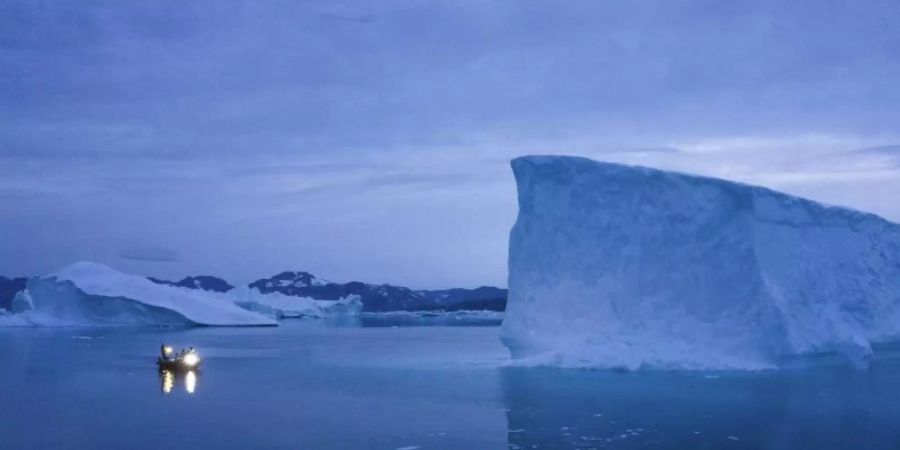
{"x": 619, "y": 266}
{"x": 280, "y": 306}
{"x": 93, "y": 294}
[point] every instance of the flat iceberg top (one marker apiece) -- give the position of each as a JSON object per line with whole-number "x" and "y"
{"x": 554, "y": 165}
{"x": 620, "y": 266}
{"x": 96, "y": 280}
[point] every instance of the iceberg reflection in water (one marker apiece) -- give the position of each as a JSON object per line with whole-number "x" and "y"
{"x": 169, "y": 379}
{"x": 815, "y": 407}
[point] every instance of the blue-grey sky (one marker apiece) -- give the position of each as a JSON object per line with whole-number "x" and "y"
{"x": 370, "y": 140}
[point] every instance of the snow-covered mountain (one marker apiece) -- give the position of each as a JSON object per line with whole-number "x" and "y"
{"x": 202, "y": 282}
{"x": 620, "y": 266}
{"x": 382, "y": 297}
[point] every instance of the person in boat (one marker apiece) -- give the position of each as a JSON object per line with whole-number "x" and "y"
{"x": 165, "y": 351}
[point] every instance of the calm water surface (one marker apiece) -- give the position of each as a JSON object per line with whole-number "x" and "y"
{"x": 405, "y": 384}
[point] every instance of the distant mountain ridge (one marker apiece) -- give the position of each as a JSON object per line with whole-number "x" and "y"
{"x": 374, "y": 297}
{"x": 457, "y": 299}
{"x": 384, "y": 297}
{"x": 201, "y": 282}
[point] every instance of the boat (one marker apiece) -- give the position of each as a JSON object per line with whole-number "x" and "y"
{"x": 187, "y": 359}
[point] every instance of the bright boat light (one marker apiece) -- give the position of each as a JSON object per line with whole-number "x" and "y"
{"x": 191, "y": 359}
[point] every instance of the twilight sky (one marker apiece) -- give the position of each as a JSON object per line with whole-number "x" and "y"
{"x": 371, "y": 140}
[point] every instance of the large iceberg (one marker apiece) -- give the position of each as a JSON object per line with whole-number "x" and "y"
{"x": 93, "y": 294}
{"x": 618, "y": 266}
{"x": 281, "y": 306}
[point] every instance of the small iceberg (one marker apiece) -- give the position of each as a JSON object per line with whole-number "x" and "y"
{"x": 281, "y": 306}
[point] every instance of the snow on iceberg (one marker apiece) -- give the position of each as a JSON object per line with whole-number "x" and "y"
{"x": 278, "y": 306}
{"x": 618, "y": 266}
{"x": 87, "y": 293}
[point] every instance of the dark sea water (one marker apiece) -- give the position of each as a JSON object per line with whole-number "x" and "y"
{"x": 409, "y": 383}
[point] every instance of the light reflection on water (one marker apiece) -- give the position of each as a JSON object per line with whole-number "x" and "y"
{"x": 190, "y": 382}
{"x": 168, "y": 380}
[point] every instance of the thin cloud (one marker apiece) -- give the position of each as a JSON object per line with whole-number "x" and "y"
{"x": 890, "y": 150}
{"x": 361, "y": 19}
{"x": 150, "y": 254}
{"x": 338, "y": 136}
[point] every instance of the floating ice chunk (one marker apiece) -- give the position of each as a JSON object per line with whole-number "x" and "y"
{"x": 619, "y": 266}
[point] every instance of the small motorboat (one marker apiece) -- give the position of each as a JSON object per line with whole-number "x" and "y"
{"x": 187, "y": 359}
